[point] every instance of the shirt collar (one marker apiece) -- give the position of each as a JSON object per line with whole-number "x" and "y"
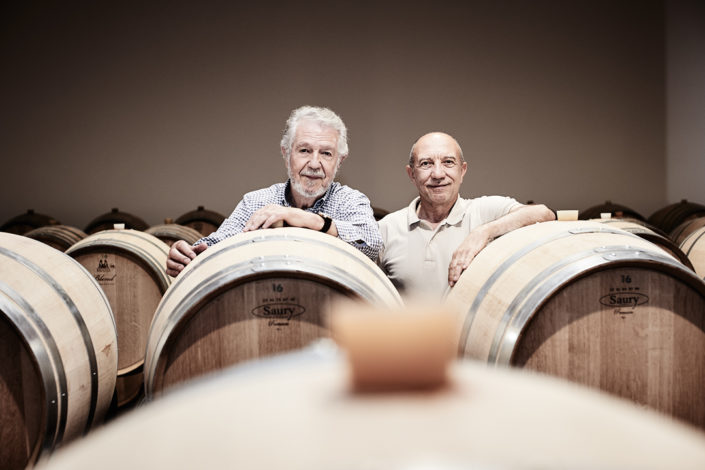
{"x": 316, "y": 207}
{"x": 454, "y": 218}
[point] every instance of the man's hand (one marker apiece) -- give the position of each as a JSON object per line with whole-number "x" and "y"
{"x": 181, "y": 254}
{"x": 271, "y": 214}
{"x": 466, "y": 252}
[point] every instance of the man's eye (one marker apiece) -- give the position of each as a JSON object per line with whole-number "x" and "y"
{"x": 449, "y": 163}
{"x": 303, "y": 150}
{"x": 425, "y": 164}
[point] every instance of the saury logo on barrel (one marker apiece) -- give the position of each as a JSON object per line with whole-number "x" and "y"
{"x": 624, "y": 299}
{"x": 278, "y": 310}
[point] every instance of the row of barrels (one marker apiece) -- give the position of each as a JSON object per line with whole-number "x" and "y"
{"x": 584, "y": 301}
{"x": 202, "y": 220}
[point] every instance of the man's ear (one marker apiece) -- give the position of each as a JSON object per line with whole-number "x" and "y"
{"x": 410, "y": 172}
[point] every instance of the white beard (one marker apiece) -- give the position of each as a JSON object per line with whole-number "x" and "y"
{"x": 300, "y": 189}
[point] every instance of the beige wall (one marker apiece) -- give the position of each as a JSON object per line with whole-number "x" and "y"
{"x": 685, "y": 92}
{"x": 158, "y": 107}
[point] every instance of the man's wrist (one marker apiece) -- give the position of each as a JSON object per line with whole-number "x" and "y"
{"x": 327, "y": 221}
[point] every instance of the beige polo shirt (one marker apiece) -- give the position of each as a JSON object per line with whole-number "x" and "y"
{"x": 416, "y": 257}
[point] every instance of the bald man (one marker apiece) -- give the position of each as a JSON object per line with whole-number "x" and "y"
{"x": 428, "y": 244}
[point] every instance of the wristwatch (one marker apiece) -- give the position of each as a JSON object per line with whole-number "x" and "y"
{"x": 326, "y": 222}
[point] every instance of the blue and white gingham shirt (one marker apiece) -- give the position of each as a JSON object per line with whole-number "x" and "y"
{"x": 349, "y": 209}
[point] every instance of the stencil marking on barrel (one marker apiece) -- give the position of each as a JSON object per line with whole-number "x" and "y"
{"x": 519, "y": 312}
{"x": 516, "y": 256}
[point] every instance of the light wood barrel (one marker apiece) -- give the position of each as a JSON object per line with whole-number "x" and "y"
{"x": 694, "y": 247}
{"x": 641, "y": 229}
{"x": 255, "y": 294}
{"x": 60, "y": 237}
{"x": 297, "y": 413}
{"x": 171, "y": 233}
{"x": 130, "y": 267}
{"x": 594, "y": 305}
{"x": 680, "y": 233}
{"x": 59, "y": 350}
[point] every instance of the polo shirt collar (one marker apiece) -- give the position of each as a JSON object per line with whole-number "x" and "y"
{"x": 455, "y": 217}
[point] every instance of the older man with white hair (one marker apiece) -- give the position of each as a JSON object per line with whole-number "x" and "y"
{"x": 314, "y": 145}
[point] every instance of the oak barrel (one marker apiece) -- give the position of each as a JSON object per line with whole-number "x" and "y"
{"x": 170, "y": 233}
{"x": 30, "y": 220}
{"x": 680, "y": 233}
{"x": 255, "y": 294}
{"x": 108, "y": 220}
{"x": 130, "y": 267}
{"x": 694, "y": 247}
{"x": 60, "y": 237}
{"x": 671, "y": 216}
{"x": 649, "y": 233}
{"x": 617, "y": 211}
{"x": 595, "y": 305}
{"x": 203, "y": 220}
{"x": 296, "y": 411}
{"x": 59, "y": 350}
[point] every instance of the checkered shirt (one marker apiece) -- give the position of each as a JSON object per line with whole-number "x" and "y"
{"x": 349, "y": 209}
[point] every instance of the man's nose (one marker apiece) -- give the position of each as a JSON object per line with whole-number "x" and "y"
{"x": 315, "y": 160}
{"x": 437, "y": 171}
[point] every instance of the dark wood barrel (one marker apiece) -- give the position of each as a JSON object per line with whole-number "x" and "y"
{"x": 203, "y": 220}
{"x": 671, "y": 216}
{"x": 680, "y": 233}
{"x": 130, "y": 267}
{"x": 616, "y": 210}
{"x": 694, "y": 247}
{"x": 652, "y": 234}
{"x": 59, "y": 351}
{"x": 60, "y": 237}
{"x": 486, "y": 419}
{"x": 171, "y": 233}
{"x": 30, "y": 220}
{"x": 252, "y": 295}
{"x": 594, "y": 305}
{"x": 108, "y": 220}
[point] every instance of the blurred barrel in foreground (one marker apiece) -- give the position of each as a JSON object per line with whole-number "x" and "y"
{"x": 297, "y": 411}
{"x": 58, "y": 347}
{"x": 130, "y": 267}
{"x": 671, "y": 216}
{"x": 253, "y": 295}
{"x": 641, "y": 229}
{"x": 616, "y": 210}
{"x": 108, "y": 220}
{"x": 171, "y": 233}
{"x": 30, "y": 220}
{"x": 60, "y": 237}
{"x": 694, "y": 247}
{"x": 202, "y": 220}
{"x": 597, "y": 306}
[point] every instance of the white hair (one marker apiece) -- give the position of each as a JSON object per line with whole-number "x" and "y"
{"x": 322, "y": 116}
